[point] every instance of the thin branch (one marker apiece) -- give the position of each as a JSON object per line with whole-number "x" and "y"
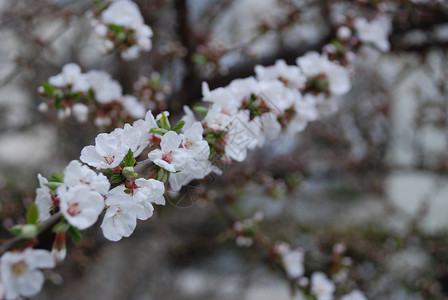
{"x": 43, "y": 227}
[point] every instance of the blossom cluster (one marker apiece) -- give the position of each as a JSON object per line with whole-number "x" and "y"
{"x": 319, "y": 286}
{"x": 135, "y": 164}
{"x": 122, "y": 27}
{"x": 354, "y": 32}
{"x": 281, "y": 98}
{"x": 93, "y": 95}
{"x": 246, "y": 233}
{"x": 152, "y": 91}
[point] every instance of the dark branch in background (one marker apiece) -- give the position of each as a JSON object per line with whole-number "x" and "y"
{"x": 185, "y": 36}
{"x": 38, "y": 54}
{"x": 213, "y": 11}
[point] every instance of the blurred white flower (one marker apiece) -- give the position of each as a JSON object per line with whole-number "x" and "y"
{"x": 354, "y": 295}
{"x": 19, "y": 272}
{"x": 80, "y": 112}
{"x": 375, "y": 32}
{"x": 321, "y": 286}
{"x": 106, "y": 89}
{"x": 124, "y": 13}
{"x": 293, "y": 263}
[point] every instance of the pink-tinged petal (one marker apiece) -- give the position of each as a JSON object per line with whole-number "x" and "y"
{"x": 155, "y": 154}
{"x": 118, "y": 223}
{"x": 90, "y": 156}
{"x": 170, "y": 141}
{"x": 163, "y": 164}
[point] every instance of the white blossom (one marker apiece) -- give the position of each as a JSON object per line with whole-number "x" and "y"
{"x": 143, "y": 35}
{"x": 80, "y": 205}
{"x": 123, "y": 13}
{"x": 135, "y": 108}
{"x": 240, "y": 136}
{"x": 80, "y": 112}
{"x": 107, "y": 153}
{"x": 216, "y": 119}
{"x": 321, "y": 286}
{"x": 170, "y": 156}
{"x": 19, "y": 272}
{"x": 375, "y": 32}
{"x": 120, "y": 218}
{"x": 354, "y": 295}
{"x": 106, "y": 89}
{"x": 130, "y": 53}
{"x": 102, "y": 121}
{"x": 291, "y": 75}
{"x": 149, "y": 191}
{"x": 314, "y": 64}
{"x": 77, "y": 174}
{"x": 293, "y": 263}
{"x": 71, "y": 75}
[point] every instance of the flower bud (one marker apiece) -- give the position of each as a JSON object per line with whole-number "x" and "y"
{"x": 28, "y": 231}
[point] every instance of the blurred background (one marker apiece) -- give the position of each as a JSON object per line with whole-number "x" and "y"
{"x": 372, "y": 176}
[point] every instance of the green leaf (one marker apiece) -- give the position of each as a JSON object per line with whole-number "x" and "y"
{"x": 53, "y": 185}
{"x": 201, "y": 110}
{"x": 62, "y": 226}
{"x": 56, "y": 178}
{"x": 159, "y": 131}
{"x": 129, "y": 160}
{"x": 76, "y": 235}
{"x": 164, "y": 123}
{"x": 116, "y": 28}
{"x": 179, "y": 126}
{"x": 199, "y": 58}
{"x": 162, "y": 175}
{"x": 32, "y": 216}
{"x": 48, "y": 88}
{"x": 117, "y": 178}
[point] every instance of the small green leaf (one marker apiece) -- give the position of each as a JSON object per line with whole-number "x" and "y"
{"x": 107, "y": 171}
{"x": 129, "y": 159}
{"x": 76, "y": 235}
{"x": 56, "y": 178}
{"x": 62, "y": 226}
{"x": 53, "y": 185}
{"x": 32, "y": 216}
{"x": 48, "y": 88}
{"x": 162, "y": 175}
{"x": 201, "y": 110}
{"x": 199, "y": 58}
{"x": 16, "y": 229}
{"x": 164, "y": 123}
{"x": 159, "y": 131}
{"x": 117, "y": 178}
{"x": 179, "y": 126}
